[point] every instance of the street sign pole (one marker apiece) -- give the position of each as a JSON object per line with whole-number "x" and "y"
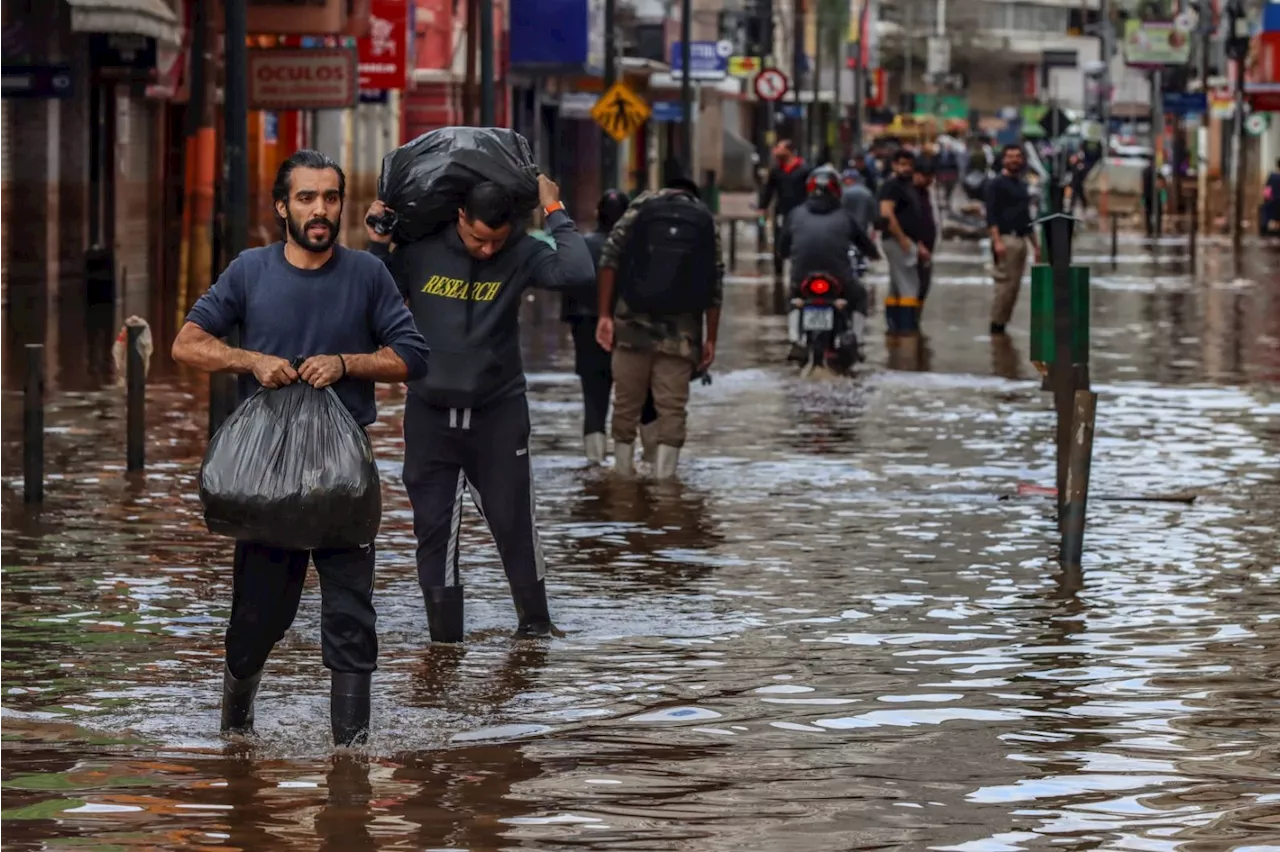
{"x": 488, "y": 104}
{"x": 859, "y": 91}
{"x": 686, "y": 87}
{"x": 609, "y": 148}
{"x": 222, "y": 394}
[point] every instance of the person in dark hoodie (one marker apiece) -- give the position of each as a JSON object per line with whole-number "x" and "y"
{"x": 593, "y": 365}
{"x": 466, "y": 424}
{"x": 816, "y": 238}
{"x": 786, "y": 187}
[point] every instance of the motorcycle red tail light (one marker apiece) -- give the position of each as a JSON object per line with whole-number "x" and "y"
{"x": 820, "y": 285}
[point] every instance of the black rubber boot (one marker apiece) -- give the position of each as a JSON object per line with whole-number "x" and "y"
{"x": 445, "y": 613}
{"x": 531, "y": 609}
{"x": 349, "y": 707}
{"x": 237, "y": 702}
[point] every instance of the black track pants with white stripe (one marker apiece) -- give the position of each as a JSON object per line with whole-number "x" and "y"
{"x": 450, "y": 451}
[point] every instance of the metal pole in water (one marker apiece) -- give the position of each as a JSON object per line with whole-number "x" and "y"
{"x": 1078, "y": 469}
{"x": 1195, "y": 228}
{"x": 33, "y": 426}
{"x": 1062, "y": 375}
{"x": 137, "y": 418}
{"x": 1115, "y": 238}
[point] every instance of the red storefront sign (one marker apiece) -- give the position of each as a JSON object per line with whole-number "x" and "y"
{"x": 384, "y": 51}
{"x": 302, "y": 78}
{"x": 1262, "y": 81}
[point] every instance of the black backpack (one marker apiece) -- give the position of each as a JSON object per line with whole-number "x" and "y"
{"x": 670, "y": 258}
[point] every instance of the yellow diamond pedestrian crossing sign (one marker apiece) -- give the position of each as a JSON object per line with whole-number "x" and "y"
{"x": 620, "y": 111}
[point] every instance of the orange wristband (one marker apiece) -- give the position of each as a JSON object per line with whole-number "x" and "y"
{"x": 551, "y": 208}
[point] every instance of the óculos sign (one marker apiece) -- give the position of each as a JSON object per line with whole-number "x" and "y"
{"x": 302, "y": 78}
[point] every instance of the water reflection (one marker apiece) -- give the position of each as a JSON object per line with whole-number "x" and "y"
{"x": 832, "y": 633}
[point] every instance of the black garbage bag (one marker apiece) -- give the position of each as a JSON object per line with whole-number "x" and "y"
{"x": 291, "y": 468}
{"x": 425, "y": 181}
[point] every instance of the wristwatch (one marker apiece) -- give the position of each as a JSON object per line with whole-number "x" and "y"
{"x": 552, "y": 207}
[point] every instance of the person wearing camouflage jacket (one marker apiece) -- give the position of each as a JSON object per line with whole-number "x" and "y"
{"x": 659, "y": 352}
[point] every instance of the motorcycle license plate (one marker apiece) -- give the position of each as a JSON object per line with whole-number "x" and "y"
{"x": 818, "y": 319}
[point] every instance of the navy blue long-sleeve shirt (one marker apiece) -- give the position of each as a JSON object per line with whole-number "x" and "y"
{"x": 349, "y": 306}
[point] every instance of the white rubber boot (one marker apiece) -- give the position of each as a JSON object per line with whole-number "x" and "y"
{"x": 594, "y": 445}
{"x": 624, "y": 458}
{"x": 649, "y": 441}
{"x": 665, "y": 466}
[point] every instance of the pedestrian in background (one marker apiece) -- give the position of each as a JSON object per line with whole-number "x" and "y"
{"x": 857, "y": 199}
{"x": 305, "y": 296}
{"x": 902, "y": 229}
{"x": 785, "y": 189}
{"x": 594, "y": 366}
{"x": 1013, "y": 238}
{"x": 922, "y": 178}
{"x": 466, "y": 424}
{"x": 664, "y": 264}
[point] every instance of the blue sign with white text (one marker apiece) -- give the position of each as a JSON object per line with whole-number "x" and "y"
{"x": 38, "y": 81}
{"x": 667, "y": 111}
{"x": 563, "y": 35}
{"x": 708, "y": 60}
{"x": 1185, "y": 103}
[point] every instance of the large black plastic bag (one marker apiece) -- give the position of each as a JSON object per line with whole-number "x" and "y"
{"x": 291, "y": 468}
{"x": 425, "y": 181}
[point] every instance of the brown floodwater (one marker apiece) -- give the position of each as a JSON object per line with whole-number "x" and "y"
{"x": 844, "y": 628}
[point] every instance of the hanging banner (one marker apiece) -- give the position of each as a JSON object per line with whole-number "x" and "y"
{"x": 863, "y": 40}
{"x": 1155, "y": 44}
{"x": 384, "y": 51}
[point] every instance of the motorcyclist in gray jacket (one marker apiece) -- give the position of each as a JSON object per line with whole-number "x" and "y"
{"x": 817, "y": 237}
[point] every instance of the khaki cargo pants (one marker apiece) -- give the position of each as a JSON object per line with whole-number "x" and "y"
{"x": 1008, "y": 277}
{"x": 635, "y": 371}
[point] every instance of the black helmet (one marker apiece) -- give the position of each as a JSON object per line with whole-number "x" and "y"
{"x": 610, "y": 209}
{"x": 823, "y": 182}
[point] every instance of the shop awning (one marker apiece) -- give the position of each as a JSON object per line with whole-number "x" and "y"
{"x": 151, "y": 18}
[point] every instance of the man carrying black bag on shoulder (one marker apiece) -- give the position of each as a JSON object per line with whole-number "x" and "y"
{"x": 466, "y": 425}
{"x": 339, "y": 308}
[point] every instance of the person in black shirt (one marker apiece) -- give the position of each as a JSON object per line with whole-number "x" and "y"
{"x": 903, "y": 226}
{"x": 923, "y": 179}
{"x": 1012, "y": 236}
{"x": 593, "y": 365}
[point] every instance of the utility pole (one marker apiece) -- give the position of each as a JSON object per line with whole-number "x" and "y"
{"x": 1237, "y": 51}
{"x": 469, "y": 81}
{"x": 686, "y": 87}
{"x": 487, "y": 106}
{"x": 1108, "y": 54}
{"x": 770, "y": 110}
{"x": 813, "y": 128}
{"x": 608, "y": 148}
{"x": 1205, "y": 27}
{"x": 797, "y": 66}
{"x": 235, "y": 181}
{"x": 1157, "y": 149}
{"x": 859, "y": 88}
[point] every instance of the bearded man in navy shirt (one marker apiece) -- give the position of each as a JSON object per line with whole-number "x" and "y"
{"x": 341, "y": 310}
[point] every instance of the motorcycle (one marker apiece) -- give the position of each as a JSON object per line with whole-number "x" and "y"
{"x": 827, "y": 327}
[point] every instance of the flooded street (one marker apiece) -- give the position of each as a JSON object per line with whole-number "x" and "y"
{"x": 844, "y": 628}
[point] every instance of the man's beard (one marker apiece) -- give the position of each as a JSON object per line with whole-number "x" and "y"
{"x": 302, "y": 238}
